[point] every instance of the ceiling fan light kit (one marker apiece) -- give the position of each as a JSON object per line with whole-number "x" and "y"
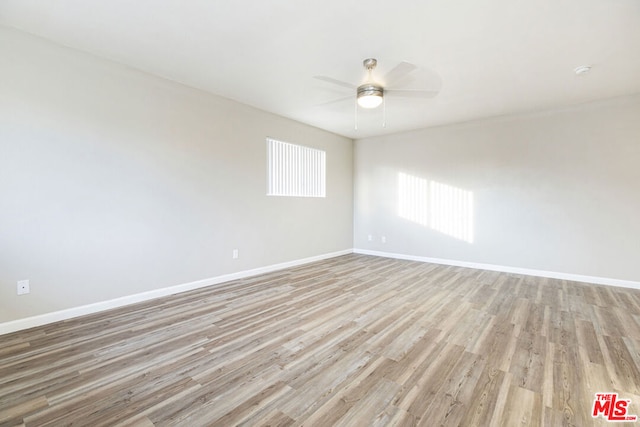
{"x": 370, "y": 95}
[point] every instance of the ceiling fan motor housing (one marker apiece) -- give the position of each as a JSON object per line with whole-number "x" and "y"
{"x": 369, "y": 89}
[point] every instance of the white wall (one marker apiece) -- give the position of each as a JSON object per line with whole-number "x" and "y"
{"x": 114, "y": 182}
{"x": 556, "y": 191}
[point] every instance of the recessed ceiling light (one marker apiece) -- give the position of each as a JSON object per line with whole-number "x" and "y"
{"x": 582, "y": 69}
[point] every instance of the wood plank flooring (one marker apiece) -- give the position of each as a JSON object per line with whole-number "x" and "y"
{"x": 351, "y": 341}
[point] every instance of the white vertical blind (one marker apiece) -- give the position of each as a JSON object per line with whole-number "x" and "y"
{"x": 295, "y": 170}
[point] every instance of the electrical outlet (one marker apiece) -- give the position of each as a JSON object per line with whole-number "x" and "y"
{"x": 369, "y": 237}
{"x": 235, "y": 254}
{"x": 383, "y": 239}
{"x": 23, "y": 287}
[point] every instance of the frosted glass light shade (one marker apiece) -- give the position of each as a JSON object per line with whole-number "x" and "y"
{"x": 369, "y": 101}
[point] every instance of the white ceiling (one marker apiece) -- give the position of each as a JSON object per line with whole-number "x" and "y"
{"x": 493, "y": 57}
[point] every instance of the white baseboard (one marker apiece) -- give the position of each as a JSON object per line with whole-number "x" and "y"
{"x": 43, "y": 319}
{"x": 505, "y": 269}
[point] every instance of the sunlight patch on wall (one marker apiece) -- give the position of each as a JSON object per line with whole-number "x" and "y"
{"x": 438, "y": 206}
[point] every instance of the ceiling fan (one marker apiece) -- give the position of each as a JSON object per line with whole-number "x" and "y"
{"x": 371, "y": 93}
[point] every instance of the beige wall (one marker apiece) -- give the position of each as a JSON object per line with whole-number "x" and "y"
{"x": 115, "y": 182}
{"x": 556, "y": 191}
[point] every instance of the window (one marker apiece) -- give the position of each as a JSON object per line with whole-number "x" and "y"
{"x": 295, "y": 170}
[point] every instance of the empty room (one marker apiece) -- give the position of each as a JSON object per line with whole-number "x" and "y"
{"x": 319, "y": 213}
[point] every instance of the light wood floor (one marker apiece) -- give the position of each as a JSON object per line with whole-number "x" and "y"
{"x": 354, "y": 340}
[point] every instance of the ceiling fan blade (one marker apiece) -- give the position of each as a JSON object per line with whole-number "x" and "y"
{"x": 335, "y": 101}
{"x": 412, "y": 93}
{"x": 398, "y": 72}
{"x": 335, "y": 82}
